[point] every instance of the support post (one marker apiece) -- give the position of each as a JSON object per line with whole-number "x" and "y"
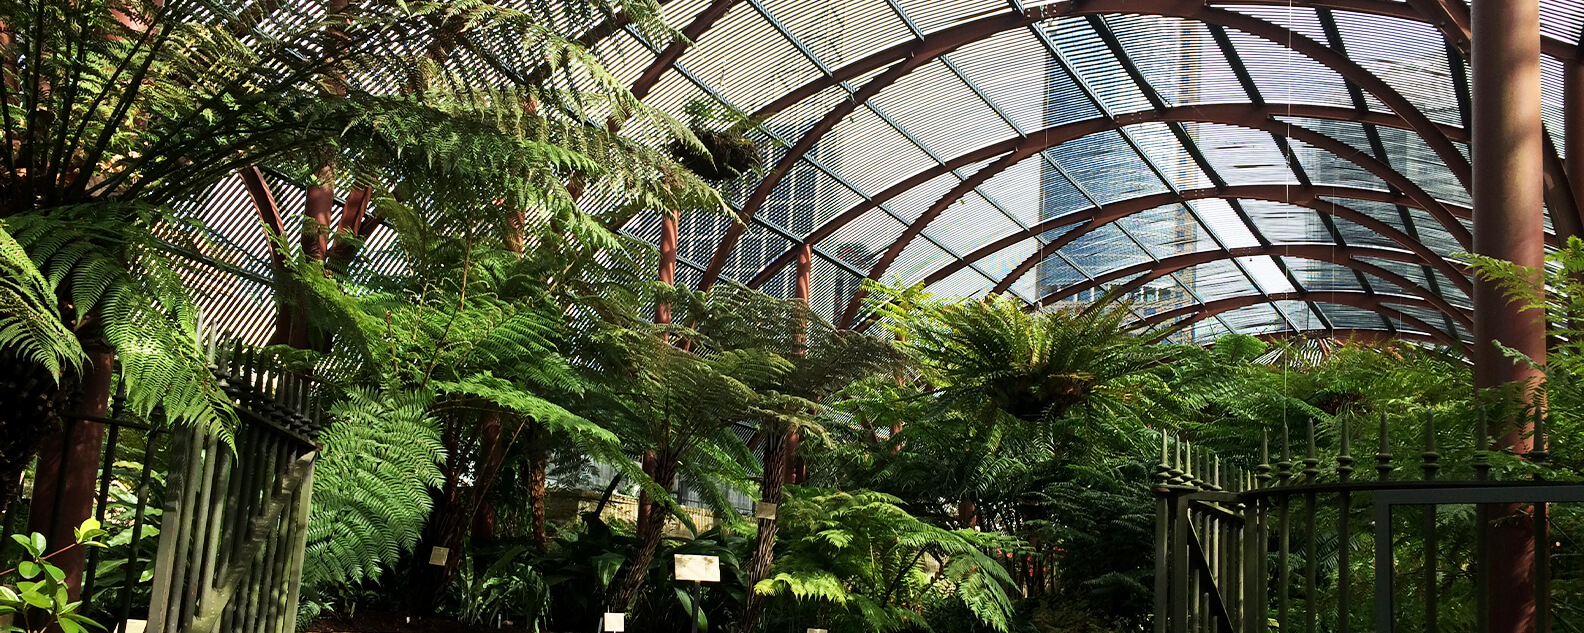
{"x": 68, "y": 467}
{"x": 668, "y": 261}
{"x": 1573, "y": 129}
{"x": 1508, "y": 208}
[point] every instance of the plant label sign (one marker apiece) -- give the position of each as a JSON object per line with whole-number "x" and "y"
{"x": 764, "y": 510}
{"x": 438, "y": 555}
{"x": 697, "y": 568}
{"x": 614, "y": 623}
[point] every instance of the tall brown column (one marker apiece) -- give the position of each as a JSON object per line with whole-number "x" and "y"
{"x": 1573, "y": 128}
{"x": 668, "y": 261}
{"x": 65, "y": 486}
{"x": 1508, "y": 208}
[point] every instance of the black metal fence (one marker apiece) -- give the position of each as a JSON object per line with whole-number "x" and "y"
{"x": 205, "y": 533}
{"x": 1242, "y": 550}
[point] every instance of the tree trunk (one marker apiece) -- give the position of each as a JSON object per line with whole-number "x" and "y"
{"x": 539, "y": 457}
{"x": 29, "y": 398}
{"x": 770, "y": 491}
{"x": 66, "y": 479}
{"x": 967, "y": 514}
{"x": 651, "y": 527}
{"x": 455, "y": 511}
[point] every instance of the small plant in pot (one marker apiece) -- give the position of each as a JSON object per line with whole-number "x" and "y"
{"x": 725, "y": 154}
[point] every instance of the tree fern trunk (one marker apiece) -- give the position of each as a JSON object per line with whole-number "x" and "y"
{"x": 770, "y": 491}
{"x": 454, "y": 513}
{"x": 651, "y": 527}
{"x": 68, "y": 466}
{"x": 29, "y": 399}
{"x": 539, "y": 456}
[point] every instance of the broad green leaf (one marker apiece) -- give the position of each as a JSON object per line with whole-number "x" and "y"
{"x": 28, "y": 569}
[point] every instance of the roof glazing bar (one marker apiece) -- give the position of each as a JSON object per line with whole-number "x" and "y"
{"x": 1127, "y": 137}
{"x": 681, "y": 69}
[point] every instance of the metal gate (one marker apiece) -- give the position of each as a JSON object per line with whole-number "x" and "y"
{"x": 1239, "y": 550}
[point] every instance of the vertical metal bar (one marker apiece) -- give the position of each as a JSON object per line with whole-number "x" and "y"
{"x": 1162, "y": 534}
{"x": 1542, "y": 568}
{"x": 1431, "y": 584}
{"x": 1179, "y": 564}
{"x": 1542, "y": 535}
{"x": 258, "y": 566}
{"x": 208, "y": 571}
{"x": 201, "y": 517}
{"x": 1311, "y": 549}
{"x": 1482, "y": 467}
{"x": 186, "y": 531}
{"x": 1383, "y": 568}
{"x": 101, "y": 505}
{"x": 299, "y": 544}
{"x": 237, "y": 492}
{"x": 1253, "y": 552}
{"x": 1344, "y": 531}
{"x": 1383, "y": 459}
{"x": 134, "y": 572}
{"x": 170, "y": 533}
{"x": 1284, "y": 545}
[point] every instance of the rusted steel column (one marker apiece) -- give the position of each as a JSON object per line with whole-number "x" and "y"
{"x": 1573, "y": 128}
{"x": 668, "y": 261}
{"x": 805, "y": 270}
{"x": 67, "y": 475}
{"x": 318, "y": 207}
{"x": 1508, "y": 207}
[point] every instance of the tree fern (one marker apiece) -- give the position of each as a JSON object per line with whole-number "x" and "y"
{"x": 29, "y": 320}
{"x": 371, "y": 484}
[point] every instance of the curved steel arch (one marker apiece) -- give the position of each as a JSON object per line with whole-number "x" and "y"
{"x": 1228, "y": 114}
{"x": 1557, "y": 48}
{"x": 1351, "y": 333}
{"x": 1345, "y": 256}
{"x": 1094, "y": 219}
{"x": 1373, "y": 302}
{"x": 1202, "y": 114}
{"x": 942, "y": 42}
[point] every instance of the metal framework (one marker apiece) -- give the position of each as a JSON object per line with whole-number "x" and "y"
{"x": 1380, "y": 160}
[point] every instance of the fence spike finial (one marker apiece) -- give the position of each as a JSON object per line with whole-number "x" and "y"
{"x": 1383, "y": 459}
{"x": 1430, "y": 455}
{"x": 1537, "y": 450}
{"x": 1344, "y": 457}
{"x": 1284, "y": 467}
{"x": 1311, "y": 460}
{"x": 1163, "y": 469}
{"x": 1262, "y": 472}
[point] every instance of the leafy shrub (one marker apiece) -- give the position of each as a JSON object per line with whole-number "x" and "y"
{"x": 38, "y": 598}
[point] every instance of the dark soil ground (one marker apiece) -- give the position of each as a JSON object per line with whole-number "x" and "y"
{"x": 390, "y": 623}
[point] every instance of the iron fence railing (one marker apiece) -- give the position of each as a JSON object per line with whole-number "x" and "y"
{"x": 1247, "y": 550}
{"x": 206, "y": 533}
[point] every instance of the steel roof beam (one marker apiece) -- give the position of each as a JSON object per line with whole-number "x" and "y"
{"x": 1056, "y": 135}
{"x": 1363, "y": 335}
{"x": 1551, "y": 46}
{"x": 702, "y": 22}
{"x": 1191, "y": 113}
{"x": 919, "y": 52}
{"x": 1375, "y": 303}
{"x": 1347, "y": 257}
{"x": 1090, "y": 219}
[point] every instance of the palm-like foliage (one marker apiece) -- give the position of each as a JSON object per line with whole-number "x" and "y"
{"x": 30, "y": 322}
{"x": 993, "y": 356}
{"x": 372, "y": 483}
{"x": 874, "y": 564}
{"x": 678, "y": 408}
